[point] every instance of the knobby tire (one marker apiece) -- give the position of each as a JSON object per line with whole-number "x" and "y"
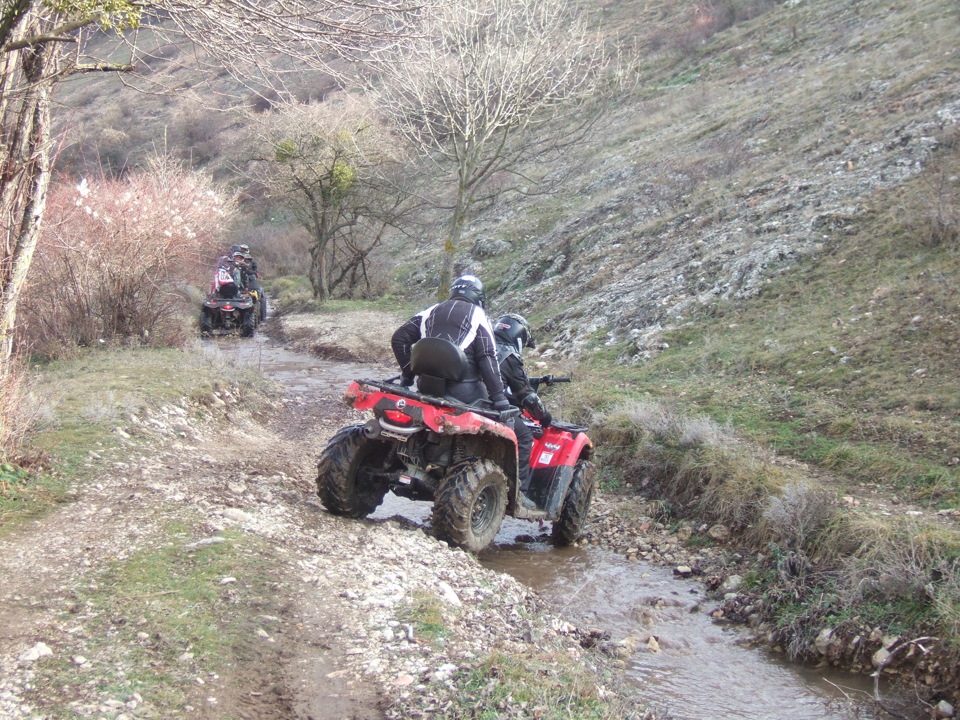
{"x": 470, "y": 504}
{"x": 338, "y": 469}
{"x": 568, "y": 528}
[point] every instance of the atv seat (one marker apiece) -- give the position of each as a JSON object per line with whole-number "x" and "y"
{"x": 228, "y": 292}
{"x": 435, "y": 362}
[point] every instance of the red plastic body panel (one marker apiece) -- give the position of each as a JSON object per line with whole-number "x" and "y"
{"x": 557, "y": 448}
{"x": 440, "y": 419}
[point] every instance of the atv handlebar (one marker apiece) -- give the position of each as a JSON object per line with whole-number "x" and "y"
{"x": 548, "y": 380}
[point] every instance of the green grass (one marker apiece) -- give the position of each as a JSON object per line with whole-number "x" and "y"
{"x": 425, "y": 613}
{"x": 25, "y": 494}
{"x": 294, "y": 294}
{"x": 157, "y": 620}
{"x": 548, "y": 686}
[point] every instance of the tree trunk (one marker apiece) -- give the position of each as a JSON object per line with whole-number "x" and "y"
{"x": 452, "y": 243}
{"x": 320, "y": 221}
{"x": 23, "y": 189}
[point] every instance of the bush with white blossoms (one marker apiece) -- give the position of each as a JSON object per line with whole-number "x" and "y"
{"x": 117, "y": 254}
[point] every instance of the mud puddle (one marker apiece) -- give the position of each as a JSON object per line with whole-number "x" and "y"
{"x": 695, "y": 669}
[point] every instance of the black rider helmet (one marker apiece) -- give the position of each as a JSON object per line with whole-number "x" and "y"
{"x": 234, "y": 249}
{"x": 515, "y": 330}
{"x": 469, "y": 288}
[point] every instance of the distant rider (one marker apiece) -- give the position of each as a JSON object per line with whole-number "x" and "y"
{"x": 512, "y": 334}
{"x": 462, "y": 320}
{"x": 251, "y": 263}
{"x": 226, "y": 279}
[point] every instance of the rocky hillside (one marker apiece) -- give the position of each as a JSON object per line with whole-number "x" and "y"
{"x": 737, "y": 152}
{"x": 749, "y": 134}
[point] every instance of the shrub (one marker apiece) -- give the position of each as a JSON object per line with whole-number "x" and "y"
{"x": 115, "y": 254}
{"x": 797, "y": 515}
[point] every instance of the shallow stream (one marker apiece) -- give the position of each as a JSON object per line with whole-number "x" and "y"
{"x": 697, "y": 669}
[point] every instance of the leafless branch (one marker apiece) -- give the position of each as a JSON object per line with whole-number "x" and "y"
{"x": 485, "y": 87}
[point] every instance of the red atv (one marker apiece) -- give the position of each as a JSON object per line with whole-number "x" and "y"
{"x": 425, "y": 446}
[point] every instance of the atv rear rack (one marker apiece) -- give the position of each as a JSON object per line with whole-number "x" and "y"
{"x": 443, "y": 401}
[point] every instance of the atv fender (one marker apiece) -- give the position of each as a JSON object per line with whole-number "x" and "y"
{"x": 490, "y": 439}
{"x": 553, "y": 464}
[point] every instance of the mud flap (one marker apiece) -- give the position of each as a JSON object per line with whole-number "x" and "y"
{"x": 551, "y": 486}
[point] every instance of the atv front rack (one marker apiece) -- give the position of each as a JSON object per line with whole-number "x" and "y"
{"x": 442, "y": 401}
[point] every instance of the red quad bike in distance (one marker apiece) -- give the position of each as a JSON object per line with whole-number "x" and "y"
{"x": 423, "y": 445}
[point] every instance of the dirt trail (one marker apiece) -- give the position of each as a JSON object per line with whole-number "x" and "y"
{"x": 321, "y": 635}
{"x": 239, "y": 474}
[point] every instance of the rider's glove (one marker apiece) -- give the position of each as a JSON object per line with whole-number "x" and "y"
{"x": 502, "y": 406}
{"x": 534, "y": 405}
{"x": 546, "y": 419}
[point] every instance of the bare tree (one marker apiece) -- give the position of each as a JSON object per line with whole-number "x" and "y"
{"x": 335, "y": 166}
{"x": 42, "y": 41}
{"x": 491, "y": 89}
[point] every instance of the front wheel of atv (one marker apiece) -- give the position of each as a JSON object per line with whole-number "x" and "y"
{"x": 470, "y": 504}
{"x": 343, "y": 474}
{"x": 568, "y": 528}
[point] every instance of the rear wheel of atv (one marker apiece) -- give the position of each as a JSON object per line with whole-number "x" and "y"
{"x": 206, "y": 322}
{"x": 248, "y": 324}
{"x": 343, "y": 481}
{"x": 568, "y": 528}
{"x": 263, "y": 307}
{"x": 470, "y": 504}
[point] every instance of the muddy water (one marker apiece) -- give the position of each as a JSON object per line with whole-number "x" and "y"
{"x": 697, "y": 668}
{"x": 699, "y": 671}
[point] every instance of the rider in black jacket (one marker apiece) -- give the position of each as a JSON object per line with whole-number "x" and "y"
{"x": 461, "y": 320}
{"x": 512, "y": 333}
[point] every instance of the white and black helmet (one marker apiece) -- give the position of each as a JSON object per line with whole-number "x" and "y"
{"x": 469, "y": 288}
{"x": 515, "y": 330}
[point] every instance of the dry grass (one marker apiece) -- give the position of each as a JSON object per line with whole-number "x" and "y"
{"x": 692, "y": 462}
{"x": 897, "y": 558}
{"x": 17, "y": 411}
{"x": 797, "y": 516}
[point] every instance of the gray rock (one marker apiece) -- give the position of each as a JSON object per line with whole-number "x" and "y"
{"x": 823, "y": 641}
{"x": 235, "y": 514}
{"x": 731, "y": 584}
{"x": 880, "y": 657}
{"x": 215, "y": 540}
{"x": 720, "y": 533}
{"x": 36, "y": 652}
